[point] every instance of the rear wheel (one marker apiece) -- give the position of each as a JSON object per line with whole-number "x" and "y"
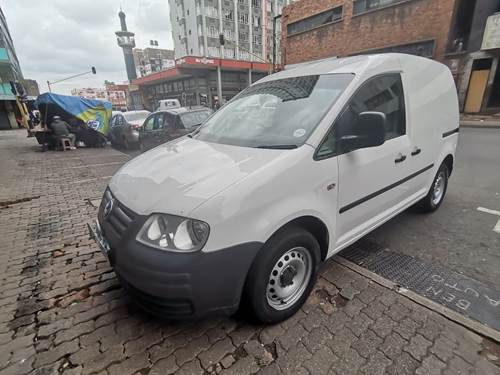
{"x": 436, "y": 193}
{"x": 283, "y": 275}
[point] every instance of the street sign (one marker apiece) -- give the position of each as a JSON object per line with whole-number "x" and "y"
{"x": 491, "y": 38}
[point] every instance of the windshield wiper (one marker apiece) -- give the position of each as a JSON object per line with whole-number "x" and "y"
{"x": 278, "y": 147}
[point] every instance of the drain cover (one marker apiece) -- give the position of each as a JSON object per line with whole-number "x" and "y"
{"x": 439, "y": 284}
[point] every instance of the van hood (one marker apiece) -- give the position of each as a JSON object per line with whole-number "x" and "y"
{"x": 178, "y": 176}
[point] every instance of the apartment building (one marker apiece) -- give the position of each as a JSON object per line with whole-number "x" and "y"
{"x": 248, "y": 26}
{"x": 10, "y": 70}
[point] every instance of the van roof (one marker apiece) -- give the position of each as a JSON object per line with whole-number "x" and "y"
{"x": 353, "y": 64}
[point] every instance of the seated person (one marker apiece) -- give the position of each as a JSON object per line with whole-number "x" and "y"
{"x": 60, "y": 129}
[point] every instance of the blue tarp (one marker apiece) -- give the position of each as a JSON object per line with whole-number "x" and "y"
{"x": 95, "y": 113}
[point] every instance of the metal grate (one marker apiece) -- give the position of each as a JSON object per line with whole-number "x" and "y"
{"x": 453, "y": 290}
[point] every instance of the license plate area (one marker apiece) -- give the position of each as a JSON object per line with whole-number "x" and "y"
{"x": 95, "y": 232}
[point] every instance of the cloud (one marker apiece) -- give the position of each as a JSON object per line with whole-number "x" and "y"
{"x": 58, "y": 38}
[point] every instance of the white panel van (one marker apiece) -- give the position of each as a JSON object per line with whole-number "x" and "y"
{"x": 295, "y": 168}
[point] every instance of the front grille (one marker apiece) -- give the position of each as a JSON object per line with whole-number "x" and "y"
{"x": 119, "y": 218}
{"x": 163, "y": 307}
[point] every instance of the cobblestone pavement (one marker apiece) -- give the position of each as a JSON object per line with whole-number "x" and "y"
{"x": 62, "y": 310}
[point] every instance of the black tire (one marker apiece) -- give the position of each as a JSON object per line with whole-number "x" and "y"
{"x": 258, "y": 277}
{"x": 126, "y": 144}
{"x": 429, "y": 204}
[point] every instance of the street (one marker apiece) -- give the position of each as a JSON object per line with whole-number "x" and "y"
{"x": 458, "y": 236}
{"x": 63, "y": 310}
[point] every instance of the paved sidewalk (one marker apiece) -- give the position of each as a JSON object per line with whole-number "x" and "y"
{"x": 480, "y": 121}
{"x": 62, "y": 310}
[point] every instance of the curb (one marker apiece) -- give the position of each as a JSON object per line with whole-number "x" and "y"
{"x": 480, "y": 124}
{"x": 417, "y": 298}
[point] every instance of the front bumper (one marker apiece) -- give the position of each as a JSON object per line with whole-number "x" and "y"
{"x": 168, "y": 284}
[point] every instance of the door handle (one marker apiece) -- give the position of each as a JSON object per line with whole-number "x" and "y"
{"x": 416, "y": 151}
{"x": 400, "y": 159}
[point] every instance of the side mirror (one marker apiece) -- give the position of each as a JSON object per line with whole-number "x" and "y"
{"x": 368, "y": 131}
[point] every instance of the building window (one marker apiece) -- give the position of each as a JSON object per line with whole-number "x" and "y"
{"x": 189, "y": 32}
{"x": 243, "y": 17}
{"x": 256, "y": 21}
{"x": 228, "y": 34}
{"x": 213, "y": 32}
{"x": 361, "y": 6}
{"x": 317, "y": 20}
{"x": 425, "y": 49}
{"x": 243, "y": 37}
{"x": 211, "y": 12}
{"x": 256, "y": 3}
{"x": 228, "y": 15}
{"x": 257, "y": 39}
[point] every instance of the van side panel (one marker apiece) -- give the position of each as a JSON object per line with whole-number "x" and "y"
{"x": 432, "y": 112}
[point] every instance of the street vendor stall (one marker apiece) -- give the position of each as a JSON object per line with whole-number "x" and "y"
{"x": 88, "y": 118}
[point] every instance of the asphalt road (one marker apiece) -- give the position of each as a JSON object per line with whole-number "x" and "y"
{"x": 458, "y": 236}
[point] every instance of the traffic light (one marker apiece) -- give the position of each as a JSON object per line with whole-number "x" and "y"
{"x": 222, "y": 41}
{"x": 93, "y": 70}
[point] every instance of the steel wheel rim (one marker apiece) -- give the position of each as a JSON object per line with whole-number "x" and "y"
{"x": 438, "y": 188}
{"x": 289, "y": 278}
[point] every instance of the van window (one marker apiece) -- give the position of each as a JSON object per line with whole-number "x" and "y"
{"x": 381, "y": 94}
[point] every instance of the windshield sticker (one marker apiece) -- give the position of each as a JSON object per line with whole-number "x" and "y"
{"x": 299, "y": 133}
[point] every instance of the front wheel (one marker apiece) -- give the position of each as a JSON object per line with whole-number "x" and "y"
{"x": 283, "y": 275}
{"x": 436, "y": 193}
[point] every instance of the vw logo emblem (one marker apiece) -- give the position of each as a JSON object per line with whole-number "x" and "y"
{"x": 108, "y": 207}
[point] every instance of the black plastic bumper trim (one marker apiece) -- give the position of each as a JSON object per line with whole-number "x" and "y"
{"x": 451, "y": 132}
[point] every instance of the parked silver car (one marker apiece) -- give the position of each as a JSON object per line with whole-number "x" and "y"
{"x": 124, "y": 128}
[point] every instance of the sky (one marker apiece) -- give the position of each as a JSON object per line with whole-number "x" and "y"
{"x": 55, "y": 39}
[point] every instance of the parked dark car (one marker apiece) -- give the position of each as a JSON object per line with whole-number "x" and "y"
{"x": 163, "y": 126}
{"x": 124, "y": 128}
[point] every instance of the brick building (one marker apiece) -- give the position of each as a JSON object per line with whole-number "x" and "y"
{"x": 450, "y": 31}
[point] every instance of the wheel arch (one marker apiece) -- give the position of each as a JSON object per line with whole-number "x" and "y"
{"x": 448, "y": 161}
{"x": 315, "y": 226}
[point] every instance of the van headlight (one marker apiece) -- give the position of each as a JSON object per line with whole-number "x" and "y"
{"x": 174, "y": 233}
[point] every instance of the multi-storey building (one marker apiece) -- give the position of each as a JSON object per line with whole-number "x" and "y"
{"x": 90, "y": 93}
{"x": 116, "y": 94}
{"x": 247, "y": 25}
{"x": 151, "y": 60}
{"x": 10, "y": 70}
{"x": 206, "y": 72}
{"x": 451, "y": 31}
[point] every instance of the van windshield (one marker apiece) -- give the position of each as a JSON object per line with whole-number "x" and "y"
{"x": 275, "y": 114}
